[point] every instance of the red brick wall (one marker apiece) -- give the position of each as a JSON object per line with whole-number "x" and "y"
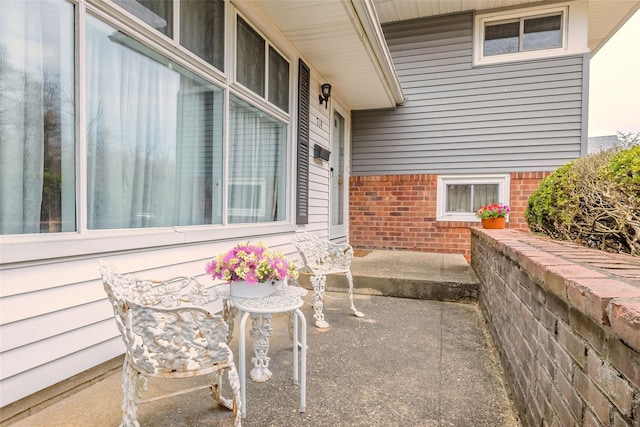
{"x": 399, "y": 212}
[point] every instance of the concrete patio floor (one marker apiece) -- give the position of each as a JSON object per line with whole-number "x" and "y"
{"x": 408, "y": 362}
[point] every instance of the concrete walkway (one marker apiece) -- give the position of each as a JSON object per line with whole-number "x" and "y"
{"x": 410, "y": 362}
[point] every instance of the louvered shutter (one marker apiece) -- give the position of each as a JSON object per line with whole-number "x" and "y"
{"x": 302, "y": 200}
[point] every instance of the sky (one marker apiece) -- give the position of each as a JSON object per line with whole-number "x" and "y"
{"x": 614, "y": 84}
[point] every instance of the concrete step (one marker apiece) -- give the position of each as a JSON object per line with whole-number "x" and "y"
{"x": 406, "y": 274}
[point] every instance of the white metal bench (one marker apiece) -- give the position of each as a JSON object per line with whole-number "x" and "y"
{"x": 168, "y": 334}
{"x": 322, "y": 257}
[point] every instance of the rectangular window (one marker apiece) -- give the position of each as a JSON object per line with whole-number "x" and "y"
{"x": 267, "y": 77}
{"x": 542, "y": 33}
{"x": 257, "y": 165}
{"x": 202, "y": 30}
{"x": 525, "y": 34}
{"x": 250, "y": 66}
{"x": 501, "y": 38}
{"x": 467, "y": 198}
{"x": 156, "y": 13}
{"x": 531, "y": 33}
{"x": 154, "y": 137}
{"x": 459, "y": 197}
{"x": 37, "y": 117}
{"x": 278, "y": 80}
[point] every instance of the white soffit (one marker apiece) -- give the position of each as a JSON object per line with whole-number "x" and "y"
{"x": 339, "y": 38}
{"x": 605, "y": 18}
{"x": 338, "y": 42}
{"x": 401, "y": 10}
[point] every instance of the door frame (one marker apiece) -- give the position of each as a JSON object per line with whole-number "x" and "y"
{"x": 340, "y": 231}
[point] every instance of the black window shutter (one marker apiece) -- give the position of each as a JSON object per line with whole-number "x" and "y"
{"x": 302, "y": 199}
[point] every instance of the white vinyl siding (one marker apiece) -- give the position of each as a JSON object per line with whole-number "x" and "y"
{"x": 54, "y": 313}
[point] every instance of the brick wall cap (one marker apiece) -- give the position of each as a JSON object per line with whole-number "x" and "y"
{"x": 592, "y": 296}
{"x": 624, "y": 315}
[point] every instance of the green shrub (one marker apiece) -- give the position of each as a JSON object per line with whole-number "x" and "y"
{"x": 624, "y": 169}
{"x": 594, "y": 201}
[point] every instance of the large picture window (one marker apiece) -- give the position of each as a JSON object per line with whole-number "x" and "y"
{"x": 37, "y": 117}
{"x": 159, "y": 140}
{"x": 154, "y": 137}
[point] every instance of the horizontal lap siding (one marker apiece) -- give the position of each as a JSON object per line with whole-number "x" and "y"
{"x": 56, "y": 321}
{"x": 518, "y": 116}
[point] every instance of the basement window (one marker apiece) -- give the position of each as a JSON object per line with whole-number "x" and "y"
{"x": 459, "y": 197}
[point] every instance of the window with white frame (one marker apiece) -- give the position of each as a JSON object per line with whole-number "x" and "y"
{"x": 528, "y": 34}
{"x": 37, "y": 117}
{"x": 154, "y": 140}
{"x": 459, "y": 197}
{"x": 265, "y": 76}
{"x": 201, "y": 24}
{"x": 148, "y": 146}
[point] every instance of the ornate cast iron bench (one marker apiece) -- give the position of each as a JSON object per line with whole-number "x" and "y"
{"x": 322, "y": 257}
{"x": 168, "y": 333}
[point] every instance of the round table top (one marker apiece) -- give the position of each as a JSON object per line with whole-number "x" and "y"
{"x": 287, "y": 298}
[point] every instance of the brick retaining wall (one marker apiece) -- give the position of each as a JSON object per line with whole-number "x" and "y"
{"x": 566, "y": 323}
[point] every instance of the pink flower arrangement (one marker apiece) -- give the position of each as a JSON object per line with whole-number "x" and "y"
{"x": 495, "y": 210}
{"x": 252, "y": 263}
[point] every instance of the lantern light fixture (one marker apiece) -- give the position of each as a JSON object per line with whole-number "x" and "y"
{"x": 325, "y": 94}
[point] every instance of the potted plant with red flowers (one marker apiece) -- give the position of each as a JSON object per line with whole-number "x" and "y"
{"x": 494, "y": 215}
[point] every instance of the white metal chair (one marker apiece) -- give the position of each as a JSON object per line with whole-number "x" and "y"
{"x": 168, "y": 334}
{"x": 322, "y": 257}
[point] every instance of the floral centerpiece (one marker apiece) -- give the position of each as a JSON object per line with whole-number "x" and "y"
{"x": 494, "y": 215}
{"x": 251, "y": 265}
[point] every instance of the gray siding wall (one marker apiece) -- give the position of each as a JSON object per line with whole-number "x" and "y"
{"x": 511, "y": 117}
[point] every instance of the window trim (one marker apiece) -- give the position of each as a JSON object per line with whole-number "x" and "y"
{"x": 568, "y": 46}
{"x": 503, "y": 181}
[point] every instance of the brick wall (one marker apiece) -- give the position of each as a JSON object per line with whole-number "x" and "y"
{"x": 566, "y": 323}
{"x": 399, "y": 212}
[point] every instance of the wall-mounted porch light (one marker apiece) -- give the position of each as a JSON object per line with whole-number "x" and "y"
{"x": 325, "y": 94}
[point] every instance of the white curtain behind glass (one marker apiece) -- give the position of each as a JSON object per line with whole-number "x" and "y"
{"x": 256, "y": 166}
{"x": 146, "y": 147}
{"x": 469, "y": 197}
{"x": 22, "y": 132}
{"x": 36, "y": 117}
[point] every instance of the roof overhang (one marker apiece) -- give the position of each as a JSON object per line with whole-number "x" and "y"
{"x": 342, "y": 40}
